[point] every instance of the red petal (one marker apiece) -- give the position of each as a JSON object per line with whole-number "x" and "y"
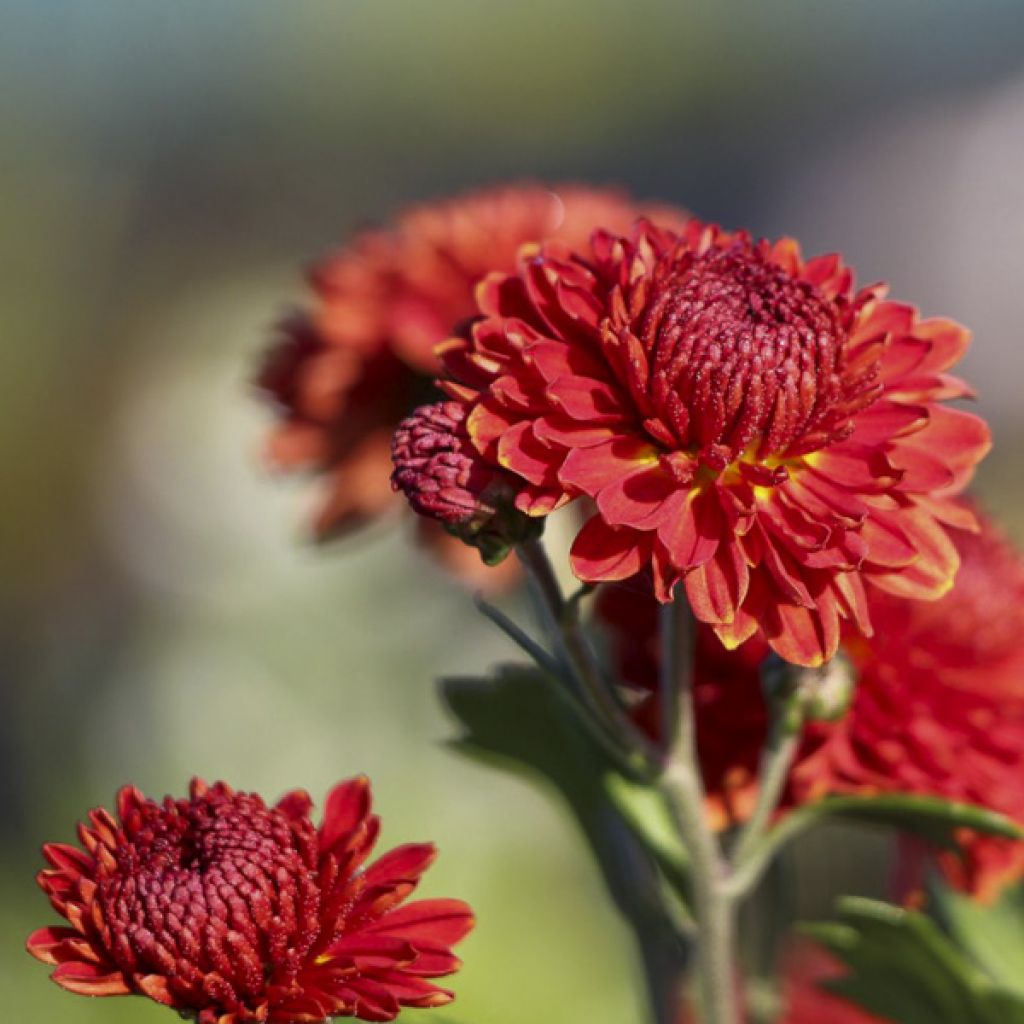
{"x": 486, "y": 424}
{"x": 410, "y": 990}
{"x": 88, "y": 980}
{"x": 155, "y": 986}
{"x": 585, "y": 399}
{"x": 854, "y": 466}
{"x": 603, "y": 553}
{"x": 932, "y": 573}
{"x": 886, "y": 420}
{"x": 558, "y": 429}
{"x": 521, "y": 452}
{"x": 887, "y": 544}
{"x": 717, "y": 589}
{"x": 69, "y": 860}
{"x": 591, "y": 469}
{"x": 297, "y": 804}
{"x": 348, "y": 805}
{"x": 796, "y": 635}
{"x": 555, "y": 360}
{"x": 50, "y": 944}
{"x": 638, "y": 500}
{"x": 949, "y": 341}
{"x": 692, "y": 527}
{"x": 959, "y": 439}
{"x": 503, "y": 295}
{"x": 434, "y": 922}
{"x": 403, "y": 863}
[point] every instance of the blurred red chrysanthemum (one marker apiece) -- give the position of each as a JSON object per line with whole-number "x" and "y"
{"x": 938, "y": 707}
{"x": 346, "y": 371}
{"x": 805, "y": 970}
{"x": 744, "y": 421}
{"x": 805, "y": 999}
{"x": 229, "y": 910}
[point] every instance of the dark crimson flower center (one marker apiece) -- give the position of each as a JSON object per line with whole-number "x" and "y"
{"x": 742, "y": 355}
{"x": 216, "y": 893}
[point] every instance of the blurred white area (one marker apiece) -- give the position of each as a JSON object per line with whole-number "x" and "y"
{"x": 930, "y": 197}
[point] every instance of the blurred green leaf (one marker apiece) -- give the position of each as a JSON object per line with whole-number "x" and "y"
{"x": 931, "y": 818}
{"x": 646, "y": 811}
{"x": 515, "y": 718}
{"x": 904, "y": 969}
{"x": 993, "y": 935}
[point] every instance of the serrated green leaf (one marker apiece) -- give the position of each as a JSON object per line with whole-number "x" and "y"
{"x": 992, "y": 935}
{"x": 902, "y": 968}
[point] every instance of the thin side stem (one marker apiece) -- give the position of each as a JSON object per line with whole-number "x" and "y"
{"x": 713, "y": 908}
{"x": 776, "y": 761}
{"x": 595, "y": 692}
{"x": 788, "y": 689}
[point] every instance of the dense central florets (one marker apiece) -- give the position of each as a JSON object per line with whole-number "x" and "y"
{"x": 215, "y": 893}
{"x": 744, "y": 358}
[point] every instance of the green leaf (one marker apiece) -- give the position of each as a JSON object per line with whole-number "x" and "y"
{"x": 645, "y": 810}
{"x": 993, "y": 935}
{"x": 516, "y": 720}
{"x": 515, "y": 717}
{"x": 932, "y": 818}
{"x": 902, "y": 968}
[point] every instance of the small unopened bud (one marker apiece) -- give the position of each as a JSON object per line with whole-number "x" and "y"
{"x": 445, "y": 478}
{"x": 826, "y": 692}
{"x": 809, "y": 694}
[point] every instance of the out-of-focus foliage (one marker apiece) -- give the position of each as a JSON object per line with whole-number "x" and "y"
{"x": 170, "y": 166}
{"x": 906, "y": 971}
{"x": 991, "y": 934}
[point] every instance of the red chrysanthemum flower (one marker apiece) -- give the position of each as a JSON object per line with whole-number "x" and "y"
{"x": 938, "y": 707}
{"x": 743, "y": 420}
{"x": 229, "y": 910}
{"x": 345, "y": 372}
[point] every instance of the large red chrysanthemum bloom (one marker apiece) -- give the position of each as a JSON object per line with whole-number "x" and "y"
{"x": 345, "y": 372}
{"x": 231, "y": 911}
{"x": 938, "y": 707}
{"x": 743, "y": 420}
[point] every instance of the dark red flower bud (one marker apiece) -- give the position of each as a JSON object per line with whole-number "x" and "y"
{"x": 444, "y": 478}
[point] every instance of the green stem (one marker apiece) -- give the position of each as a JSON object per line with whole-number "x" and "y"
{"x": 776, "y": 761}
{"x": 712, "y": 906}
{"x": 597, "y": 696}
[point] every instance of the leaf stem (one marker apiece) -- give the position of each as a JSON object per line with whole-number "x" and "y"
{"x": 784, "y": 736}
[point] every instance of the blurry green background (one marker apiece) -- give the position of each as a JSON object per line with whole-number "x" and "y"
{"x": 169, "y": 166}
